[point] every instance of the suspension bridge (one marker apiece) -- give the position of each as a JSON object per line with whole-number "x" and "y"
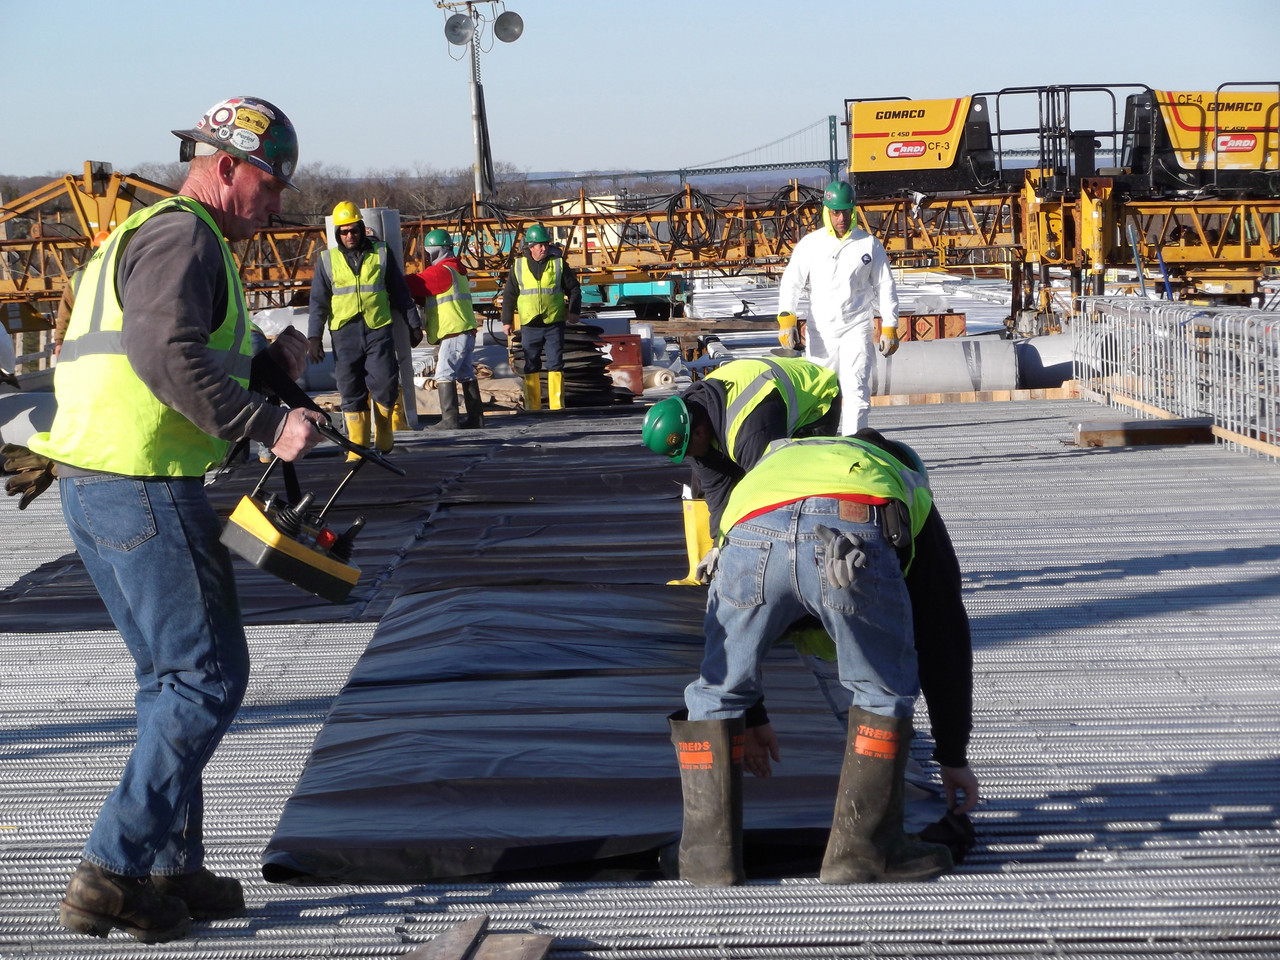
{"x": 819, "y": 145}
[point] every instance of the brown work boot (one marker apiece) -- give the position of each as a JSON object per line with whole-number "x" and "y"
{"x": 207, "y": 896}
{"x": 96, "y": 901}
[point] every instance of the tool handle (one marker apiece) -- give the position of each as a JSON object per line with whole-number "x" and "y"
{"x": 329, "y": 433}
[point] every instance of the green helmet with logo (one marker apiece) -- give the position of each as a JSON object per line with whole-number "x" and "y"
{"x": 838, "y": 196}
{"x": 667, "y": 428}
{"x": 537, "y": 234}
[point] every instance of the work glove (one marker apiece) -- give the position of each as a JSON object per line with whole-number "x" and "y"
{"x": 788, "y": 331}
{"x": 844, "y": 554}
{"x": 415, "y": 336}
{"x": 888, "y": 341}
{"x": 315, "y": 349}
{"x": 706, "y": 568}
{"x": 32, "y": 473}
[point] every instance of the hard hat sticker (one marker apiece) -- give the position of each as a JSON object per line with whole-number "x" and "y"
{"x": 252, "y": 120}
{"x": 244, "y": 140}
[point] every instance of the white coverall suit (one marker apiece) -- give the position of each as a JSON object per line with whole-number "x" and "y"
{"x": 846, "y": 279}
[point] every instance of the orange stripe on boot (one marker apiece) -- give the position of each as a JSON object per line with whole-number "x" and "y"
{"x": 694, "y": 755}
{"x": 879, "y": 744}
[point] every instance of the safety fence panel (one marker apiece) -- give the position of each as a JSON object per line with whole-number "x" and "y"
{"x": 1167, "y": 359}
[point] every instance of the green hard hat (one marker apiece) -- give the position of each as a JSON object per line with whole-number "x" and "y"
{"x": 437, "y": 238}
{"x": 838, "y": 196}
{"x": 536, "y": 234}
{"x": 666, "y": 428}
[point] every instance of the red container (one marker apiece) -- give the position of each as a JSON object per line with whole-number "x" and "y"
{"x": 625, "y": 366}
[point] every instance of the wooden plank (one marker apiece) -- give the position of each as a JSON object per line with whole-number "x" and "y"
{"x": 1136, "y": 433}
{"x": 514, "y": 946}
{"x": 456, "y": 943}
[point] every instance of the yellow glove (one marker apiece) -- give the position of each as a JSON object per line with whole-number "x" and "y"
{"x": 788, "y": 333}
{"x": 888, "y": 341}
{"x": 32, "y": 473}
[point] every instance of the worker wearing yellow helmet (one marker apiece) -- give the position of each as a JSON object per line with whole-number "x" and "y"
{"x": 354, "y": 287}
{"x": 845, "y": 272}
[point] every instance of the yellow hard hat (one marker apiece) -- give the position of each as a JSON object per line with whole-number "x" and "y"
{"x": 345, "y": 213}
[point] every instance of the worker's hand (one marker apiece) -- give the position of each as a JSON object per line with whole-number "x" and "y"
{"x": 299, "y": 434}
{"x": 960, "y": 780}
{"x": 32, "y": 473}
{"x": 574, "y": 318}
{"x": 315, "y": 349}
{"x": 415, "y": 336}
{"x": 758, "y": 745}
{"x": 706, "y": 568}
{"x": 289, "y": 351}
{"x": 888, "y": 341}
{"x": 844, "y": 554}
{"x": 507, "y": 328}
{"x": 788, "y": 331}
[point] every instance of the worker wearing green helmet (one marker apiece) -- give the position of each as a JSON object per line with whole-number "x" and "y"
{"x": 450, "y": 323}
{"x": 846, "y": 275}
{"x": 543, "y": 290}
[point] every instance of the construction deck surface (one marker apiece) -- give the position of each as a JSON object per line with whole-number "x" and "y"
{"x": 1125, "y": 605}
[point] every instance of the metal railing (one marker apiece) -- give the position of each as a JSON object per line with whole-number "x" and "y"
{"x": 1166, "y": 360}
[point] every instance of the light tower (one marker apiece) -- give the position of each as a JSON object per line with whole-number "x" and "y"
{"x": 467, "y": 30}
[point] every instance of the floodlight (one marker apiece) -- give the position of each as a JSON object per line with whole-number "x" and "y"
{"x": 459, "y": 29}
{"x": 508, "y": 26}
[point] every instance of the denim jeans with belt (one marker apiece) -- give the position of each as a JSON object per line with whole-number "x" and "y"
{"x": 151, "y": 547}
{"x": 770, "y": 574}
{"x": 453, "y": 357}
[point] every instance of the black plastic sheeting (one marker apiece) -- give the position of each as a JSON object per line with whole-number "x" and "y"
{"x": 518, "y": 731}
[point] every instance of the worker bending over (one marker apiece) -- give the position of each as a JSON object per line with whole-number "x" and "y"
{"x": 353, "y": 289}
{"x": 544, "y": 290}
{"x": 826, "y": 527}
{"x": 450, "y": 323}
{"x": 846, "y": 273}
{"x": 724, "y": 422}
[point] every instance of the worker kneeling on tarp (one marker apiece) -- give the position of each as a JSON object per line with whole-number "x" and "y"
{"x": 827, "y": 526}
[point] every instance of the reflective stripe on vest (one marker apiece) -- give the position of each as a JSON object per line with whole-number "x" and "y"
{"x": 540, "y": 298}
{"x": 792, "y": 470}
{"x": 365, "y": 295}
{"x": 450, "y": 312}
{"x": 107, "y": 418}
{"x": 806, "y": 388}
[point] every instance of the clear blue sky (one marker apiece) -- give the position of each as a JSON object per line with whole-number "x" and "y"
{"x": 592, "y": 84}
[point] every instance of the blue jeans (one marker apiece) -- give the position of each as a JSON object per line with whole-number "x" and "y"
{"x": 453, "y": 358}
{"x": 539, "y": 336}
{"x": 364, "y": 363}
{"x": 770, "y": 574}
{"x": 151, "y": 547}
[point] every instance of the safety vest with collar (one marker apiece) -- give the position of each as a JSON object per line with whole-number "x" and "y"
{"x": 450, "y": 312}
{"x": 540, "y": 298}
{"x": 364, "y": 295}
{"x": 792, "y": 470}
{"x": 806, "y": 388}
{"x": 107, "y": 418}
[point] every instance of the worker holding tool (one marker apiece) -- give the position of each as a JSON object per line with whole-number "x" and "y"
{"x": 724, "y": 422}
{"x": 826, "y": 527}
{"x": 152, "y": 386}
{"x": 846, "y": 273}
{"x": 544, "y": 290}
{"x": 68, "y": 300}
{"x": 354, "y": 288}
{"x": 450, "y": 324}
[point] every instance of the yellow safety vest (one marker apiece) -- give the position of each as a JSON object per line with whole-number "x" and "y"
{"x": 107, "y": 418}
{"x": 792, "y": 470}
{"x": 450, "y": 312}
{"x": 806, "y": 388}
{"x": 540, "y": 298}
{"x": 363, "y": 295}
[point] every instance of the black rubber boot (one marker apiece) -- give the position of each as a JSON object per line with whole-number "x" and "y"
{"x": 207, "y": 895}
{"x": 448, "y": 395}
{"x": 867, "y": 843}
{"x": 96, "y": 901}
{"x": 474, "y": 403}
{"x": 710, "y": 757}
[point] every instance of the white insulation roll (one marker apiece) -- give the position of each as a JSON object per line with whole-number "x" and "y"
{"x": 658, "y": 377}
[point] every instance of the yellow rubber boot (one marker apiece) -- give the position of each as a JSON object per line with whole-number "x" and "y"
{"x": 398, "y": 419}
{"x": 532, "y": 392}
{"x": 357, "y": 430}
{"x": 697, "y": 538}
{"x": 555, "y": 389}
{"x": 383, "y": 436}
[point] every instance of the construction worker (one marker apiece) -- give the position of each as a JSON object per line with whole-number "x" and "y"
{"x": 543, "y": 289}
{"x": 451, "y": 325}
{"x": 846, "y": 273}
{"x": 353, "y": 289}
{"x": 825, "y": 527}
{"x": 152, "y": 387}
{"x": 68, "y": 301}
{"x": 724, "y": 422}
